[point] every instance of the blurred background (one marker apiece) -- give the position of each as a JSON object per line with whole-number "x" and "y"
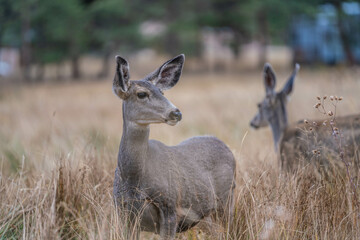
{"x": 46, "y": 40}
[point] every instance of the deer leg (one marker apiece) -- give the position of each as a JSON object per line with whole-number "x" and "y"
{"x": 167, "y": 224}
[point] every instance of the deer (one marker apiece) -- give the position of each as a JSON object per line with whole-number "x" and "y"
{"x": 294, "y": 144}
{"x": 169, "y": 189}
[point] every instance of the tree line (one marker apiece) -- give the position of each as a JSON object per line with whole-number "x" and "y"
{"x": 48, "y": 31}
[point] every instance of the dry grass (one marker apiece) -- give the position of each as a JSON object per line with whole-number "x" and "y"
{"x": 58, "y": 150}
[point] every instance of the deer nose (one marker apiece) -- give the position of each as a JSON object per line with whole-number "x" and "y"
{"x": 254, "y": 125}
{"x": 175, "y": 115}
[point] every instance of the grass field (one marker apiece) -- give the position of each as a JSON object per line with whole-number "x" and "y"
{"x": 58, "y": 153}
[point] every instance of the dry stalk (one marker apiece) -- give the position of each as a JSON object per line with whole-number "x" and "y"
{"x": 323, "y": 107}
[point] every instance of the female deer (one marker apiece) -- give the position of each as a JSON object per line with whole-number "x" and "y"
{"x": 169, "y": 188}
{"x": 293, "y": 143}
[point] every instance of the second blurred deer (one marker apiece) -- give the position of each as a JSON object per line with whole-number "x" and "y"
{"x": 309, "y": 141}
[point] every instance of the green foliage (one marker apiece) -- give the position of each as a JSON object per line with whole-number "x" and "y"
{"x": 113, "y": 23}
{"x": 9, "y": 29}
{"x": 62, "y": 29}
{"x": 59, "y": 29}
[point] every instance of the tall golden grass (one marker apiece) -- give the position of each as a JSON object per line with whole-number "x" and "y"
{"x": 58, "y": 151}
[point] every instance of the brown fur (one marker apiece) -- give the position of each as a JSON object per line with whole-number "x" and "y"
{"x": 298, "y": 143}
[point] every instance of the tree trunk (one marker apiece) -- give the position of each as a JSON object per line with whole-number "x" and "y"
{"x": 59, "y": 75}
{"x": 40, "y": 72}
{"x": 75, "y": 67}
{"x": 171, "y": 39}
{"x": 236, "y": 44}
{"x": 75, "y": 58}
{"x": 263, "y": 36}
{"x": 343, "y": 36}
{"x": 104, "y": 73}
{"x": 171, "y": 43}
{"x": 25, "y": 49}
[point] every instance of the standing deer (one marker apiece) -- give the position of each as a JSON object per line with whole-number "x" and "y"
{"x": 168, "y": 189}
{"x": 294, "y": 144}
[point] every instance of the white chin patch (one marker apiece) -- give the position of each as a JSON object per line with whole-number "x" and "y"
{"x": 141, "y": 122}
{"x": 171, "y": 122}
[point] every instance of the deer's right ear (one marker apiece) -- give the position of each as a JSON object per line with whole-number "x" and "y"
{"x": 269, "y": 79}
{"x": 121, "y": 79}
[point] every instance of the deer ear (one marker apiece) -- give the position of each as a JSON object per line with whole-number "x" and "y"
{"x": 290, "y": 83}
{"x": 168, "y": 74}
{"x": 121, "y": 79}
{"x": 269, "y": 79}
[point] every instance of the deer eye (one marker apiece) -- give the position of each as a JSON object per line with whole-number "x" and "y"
{"x": 259, "y": 105}
{"x": 142, "y": 95}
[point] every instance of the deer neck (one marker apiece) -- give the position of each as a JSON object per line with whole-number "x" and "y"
{"x": 278, "y": 125}
{"x": 133, "y": 149}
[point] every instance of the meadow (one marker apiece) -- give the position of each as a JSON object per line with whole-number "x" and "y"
{"x": 59, "y": 145}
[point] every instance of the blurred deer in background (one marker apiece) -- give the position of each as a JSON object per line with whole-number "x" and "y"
{"x": 167, "y": 189}
{"x": 297, "y": 143}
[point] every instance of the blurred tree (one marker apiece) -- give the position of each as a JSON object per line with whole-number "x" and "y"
{"x": 180, "y": 20}
{"x": 266, "y": 20}
{"x": 231, "y": 14}
{"x": 60, "y": 33}
{"x": 343, "y": 30}
{"x": 270, "y": 20}
{"x": 9, "y": 24}
{"x": 48, "y": 31}
{"x": 182, "y": 34}
{"x": 15, "y": 30}
{"x": 113, "y": 24}
{"x": 25, "y": 10}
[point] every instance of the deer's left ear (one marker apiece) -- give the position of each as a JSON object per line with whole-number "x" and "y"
{"x": 168, "y": 74}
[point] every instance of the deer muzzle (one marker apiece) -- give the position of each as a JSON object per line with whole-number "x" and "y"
{"x": 175, "y": 115}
